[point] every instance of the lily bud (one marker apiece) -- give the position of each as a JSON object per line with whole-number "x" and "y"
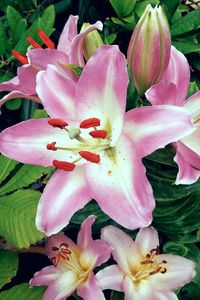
{"x": 91, "y": 41}
{"x": 149, "y": 48}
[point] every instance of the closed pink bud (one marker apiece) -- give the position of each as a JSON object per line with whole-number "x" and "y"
{"x": 149, "y": 48}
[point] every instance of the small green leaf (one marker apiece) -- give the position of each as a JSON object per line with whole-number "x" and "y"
{"x": 193, "y": 88}
{"x": 13, "y": 17}
{"x": 3, "y": 39}
{"x": 39, "y": 114}
{"x": 187, "y": 23}
{"x": 13, "y": 104}
{"x": 7, "y": 165}
{"x": 110, "y": 38}
{"x": 23, "y": 291}
{"x": 74, "y": 68}
{"x": 17, "y": 218}
{"x": 9, "y": 266}
{"x": 48, "y": 19}
{"x": 186, "y": 47}
{"x": 123, "y": 8}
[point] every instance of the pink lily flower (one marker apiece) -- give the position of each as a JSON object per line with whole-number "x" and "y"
{"x": 73, "y": 265}
{"x": 98, "y": 155}
{"x": 172, "y": 89}
{"x": 141, "y": 272}
{"x": 69, "y": 51}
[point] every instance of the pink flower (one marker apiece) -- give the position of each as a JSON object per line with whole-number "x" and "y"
{"x": 149, "y": 48}
{"x": 102, "y": 146}
{"x": 141, "y": 272}
{"x": 69, "y": 51}
{"x": 73, "y": 265}
{"x": 172, "y": 89}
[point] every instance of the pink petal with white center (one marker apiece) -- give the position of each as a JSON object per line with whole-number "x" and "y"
{"x": 85, "y": 233}
{"x": 124, "y": 249}
{"x": 193, "y": 105}
{"x": 63, "y": 287}
{"x": 111, "y": 278}
{"x": 189, "y": 148}
{"x": 27, "y": 142}
{"x": 186, "y": 173}
{"x": 180, "y": 271}
{"x": 101, "y": 89}
{"x": 153, "y": 127}
{"x": 65, "y": 194}
{"x": 172, "y": 88}
{"x": 90, "y": 289}
{"x": 165, "y": 296}
{"x": 45, "y": 276}
{"x": 137, "y": 292}
{"x": 146, "y": 240}
{"x": 120, "y": 185}
{"x": 18, "y": 94}
{"x": 68, "y": 33}
{"x": 59, "y": 101}
{"x": 76, "y": 52}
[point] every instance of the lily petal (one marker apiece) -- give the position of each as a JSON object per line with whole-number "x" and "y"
{"x": 90, "y": 290}
{"x": 153, "y": 127}
{"x": 103, "y": 96}
{"x": 133, "y": 292}
{"x": 146, "y": 240}
{"x": 18, "y": 94}
{"x": 165, "y": 296}
{"x": 65, "y": 194}
{"x": 120, "y": 186}
{"x": 27, "y": 143}
{"x": 59, "y": 101}
{"x": 85, "y": 233}
{"x": 193, "y": 105}
{"x": 190, "y": 150}
{"x": 111, "y": 278}
{"x": 45, "y": 276}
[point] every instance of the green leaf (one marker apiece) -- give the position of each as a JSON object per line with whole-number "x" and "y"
{"x": 7, "y": 165}
{"x": 175, "y": 248}
{"x": 193, "y": 88}
{"x": 23, "y": 291}
{"x": 194, "y": 254}
{"x": 187, "y": 23}
{"x": 186, "y": 47}
{"x": 25, "y": 176}
{"x": 170, "y": 7}
{"x": 9, "y": 266}
{"x": 39, "y": 114}
{"x": 3, "y": 39}
{"x": 48, "y": 19}
{"x": 17, "y": 218}
{"x": 116, "y": 296}
{"x": 4, "y": 76}
{"x": 13, "y": 104}
{"x": 13, "y": 17}
{"x": 123, "y": 8}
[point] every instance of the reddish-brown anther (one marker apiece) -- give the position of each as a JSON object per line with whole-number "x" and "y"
{"x": 64, "y": 165}
{"x": 92, "y": 157}
{"x": 57, "y": 123}
{"x": 99, "y": 134}
{"x": 92, "y": 122}
{"x": 46, "y": 40}
{"x": 51, "y": 146}
{"x": 32, "y": 42}
{"x": 20, "y": 57}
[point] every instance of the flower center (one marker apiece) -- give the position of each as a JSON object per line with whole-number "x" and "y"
{"x": 149, "y": 267}
{"x": 83, "y": 147}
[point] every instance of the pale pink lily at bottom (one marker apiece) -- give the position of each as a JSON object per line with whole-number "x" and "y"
{"x": 69, "y": 51}
{"x": 95, "y": 146}
{"x": 172, "y": 89}
{"x": 73, "y": 265}
{"x": 141, "y": 272}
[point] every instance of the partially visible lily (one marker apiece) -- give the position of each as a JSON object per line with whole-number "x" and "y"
{"x": 172, "y": 89}
{"x": 69, "y": 51}
{"x": 141, "y": 272}
{"x": 95, "y": 146}
{"x": 149, "y": 48}
{"x": 73, "y": 265}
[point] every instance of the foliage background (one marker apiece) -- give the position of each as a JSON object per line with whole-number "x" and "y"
{"x": 177, "y": 214}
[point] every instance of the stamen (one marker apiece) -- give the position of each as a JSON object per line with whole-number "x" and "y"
{"x": 55, "y": 248}
{"x": 145, "y": 262}
{"x": 63, "y": 165}
{"x": 51, "y": 146}
{"x": 154, "y": 251}
{"x": 155, "y": 271}
{"x": 46, "y": 40}
{"x": 163, "y": 271}
{"x": 20, "y": 57}
{"x": 92, "y": 157}
{"x": 57, "y": 123}
{"x": 32, "y": 42}
{"x": 98, "y": 134}
{"x": 92, "y": 122}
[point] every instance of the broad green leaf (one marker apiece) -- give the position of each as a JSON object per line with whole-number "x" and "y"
{"x": 13, "y": 17}
{"x": 187, "y": 23}
{"x": 25, "y": 176}
{"x": 194, "y": 254}
{"x": 17, "y": 218}
{"x": 175, "y": 248}
{"x": 170, "y": 7}
{"x": 9, "y": 266}
{"x": 189, "y": 292}
{"x": 123, "y": 8}
{"x": 23, "y": 291}
{"x": 13, "y": 104}
{"x": 164, "y": 156}
{"x": 140, "y": 6}
{"x": 7, "y": 165}
{"x": 117, "y": 296}
{"x": 110, "y": 38}
{"x": 3, "y": 39}
{"x": 186, "y": 47}
{"x": 39, "y": 114}
{"x": 4, "y": 76}
{"x": 62, "y": 5}
{"x": 20, "y": 29}
{"x": 48, "y": 19}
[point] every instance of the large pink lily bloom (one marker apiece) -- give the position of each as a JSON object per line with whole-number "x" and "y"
{"x": 73, "y": 265}
{"x": 69, "y": 51}
{"x": 172, "y": 89}
{"x": 99, "y": 154}
{"x": 141, "y": 272}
